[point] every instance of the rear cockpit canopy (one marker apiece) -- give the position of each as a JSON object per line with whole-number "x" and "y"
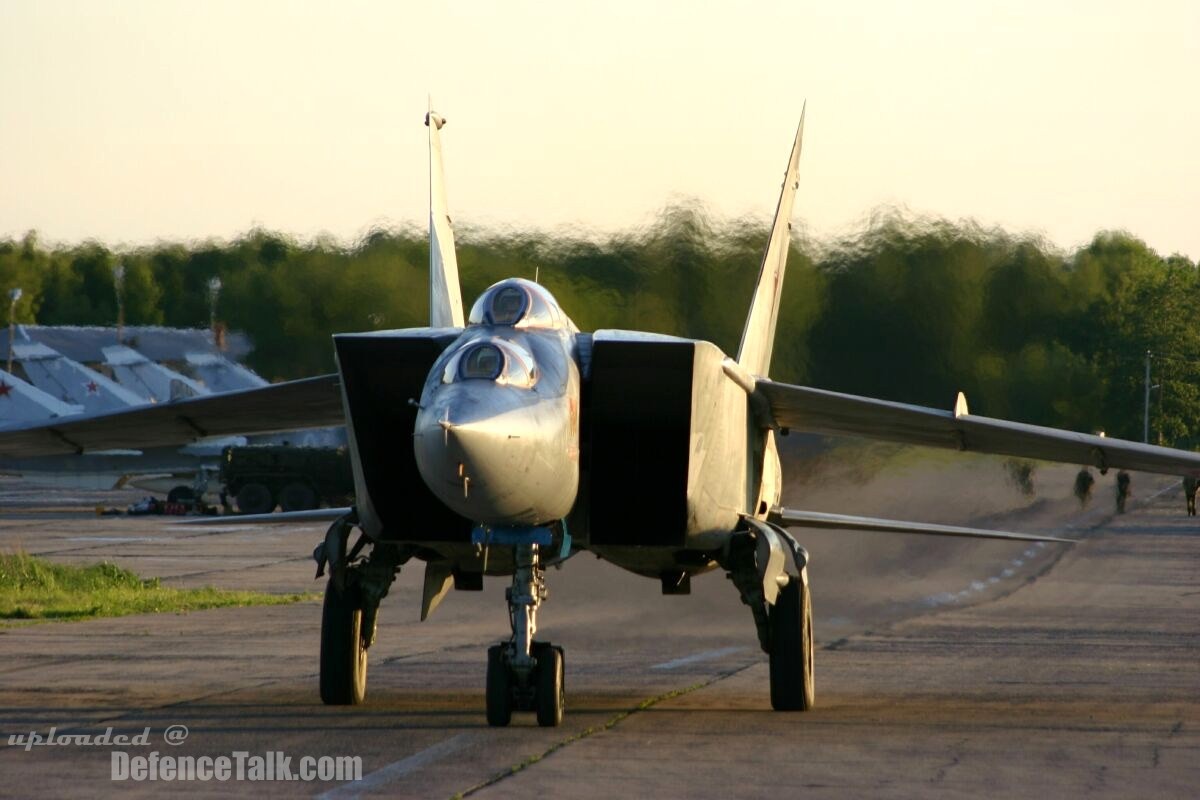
{"x": 518, "y": 303}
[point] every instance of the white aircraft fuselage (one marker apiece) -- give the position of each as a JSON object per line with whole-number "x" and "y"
{"x": 496, "y": 438}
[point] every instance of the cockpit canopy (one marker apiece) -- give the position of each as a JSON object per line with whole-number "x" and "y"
{"x": 503, "y": 362}
{"x": 518, "y": 303}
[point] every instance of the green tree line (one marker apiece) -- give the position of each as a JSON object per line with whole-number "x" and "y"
{"x": 906, "y": 309}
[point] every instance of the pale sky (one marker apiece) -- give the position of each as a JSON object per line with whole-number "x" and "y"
{"x": 131, "y": 121}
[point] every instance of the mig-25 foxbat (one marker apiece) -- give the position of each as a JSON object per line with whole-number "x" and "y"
{"x": 502, "y": 441}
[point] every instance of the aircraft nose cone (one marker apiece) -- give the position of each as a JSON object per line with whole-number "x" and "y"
{"x": 480, "y": 448}
{"x": 460, "y": 437}
{"x": 494, "y": 463}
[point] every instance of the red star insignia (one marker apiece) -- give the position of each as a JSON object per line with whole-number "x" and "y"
{"x": 92, "y": 387}
{"x": 4, "y": 389}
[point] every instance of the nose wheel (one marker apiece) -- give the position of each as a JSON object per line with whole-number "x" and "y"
{"x": 499, "y": 688}
{"x": 524, "y": 675}
{"x": 551, "y": 689}
{"x": 542, "y": 690}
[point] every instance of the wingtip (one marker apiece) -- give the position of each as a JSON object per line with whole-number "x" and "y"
{"x": 960, "y": 406}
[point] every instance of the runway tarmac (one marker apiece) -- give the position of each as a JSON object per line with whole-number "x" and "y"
{"x": 945, "y": 668}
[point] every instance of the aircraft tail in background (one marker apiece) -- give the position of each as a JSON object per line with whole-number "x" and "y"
{"x": 151, "y": 380}
{"x": 23, "y": 402}
{"x": 72, "y": 382}
{"x": 219, "y": 374}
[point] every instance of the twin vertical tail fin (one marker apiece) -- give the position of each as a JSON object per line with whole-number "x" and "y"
{"x": 445, "y": 296}
{"x": 758, "y": 337}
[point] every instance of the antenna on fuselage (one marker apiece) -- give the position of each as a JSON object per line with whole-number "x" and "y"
{"x": 758, "y": 337}
{"x": 445, "y": 296}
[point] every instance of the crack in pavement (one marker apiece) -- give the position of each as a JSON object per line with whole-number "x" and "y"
{"x": 586, "y": 733}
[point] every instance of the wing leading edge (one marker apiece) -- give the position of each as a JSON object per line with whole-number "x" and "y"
{"x": 822, "y": 411}
{"x": 308, "y": 403}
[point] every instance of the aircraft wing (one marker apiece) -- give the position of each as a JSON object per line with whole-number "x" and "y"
{"x": 821, "y": 411}
{"x": 307, "y": 403}
{"x": 791, "y": 517}
{"x": 273, "y": 518}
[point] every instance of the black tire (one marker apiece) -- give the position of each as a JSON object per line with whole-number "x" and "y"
{"x": 182, "y": 494}
{"x": 297, "y": 497}
{"x": 499, "y": 688}
{"x": 255, "y": 498}
{"x": 792, "y": 685}
{"x": 551, "y": 688}
{"x": 343, "y": 651}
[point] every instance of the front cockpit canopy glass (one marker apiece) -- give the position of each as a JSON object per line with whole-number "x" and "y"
{"x": 505, "y": 363}
{"x": 481, "y": 361}
{"x": 517, "y": 303}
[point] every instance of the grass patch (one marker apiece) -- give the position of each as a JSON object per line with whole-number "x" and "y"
{"x": 33, "y": 589}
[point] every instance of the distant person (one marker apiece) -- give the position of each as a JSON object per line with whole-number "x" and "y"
{"x": 1122, "y": 490}
{"x": 1190, "y": 484}
{"x": 1083, "y": 486}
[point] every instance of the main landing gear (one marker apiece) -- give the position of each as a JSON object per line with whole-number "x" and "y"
{"x": 351, "y": 611}
{"x": 792, "y": 685}
{"x": 770, "y": 571}
{"x": 523, "y": 674}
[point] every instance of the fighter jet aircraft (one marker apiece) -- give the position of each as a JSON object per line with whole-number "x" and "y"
{"x": 503, "y": 441}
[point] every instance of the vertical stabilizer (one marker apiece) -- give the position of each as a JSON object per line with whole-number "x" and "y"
{"x": 219, "y": 374}
{"x": 151, "y": 380}
{"x": 21, "y": 402}
{"x": 445, "y": 296}
{"x": 758, "y": 337}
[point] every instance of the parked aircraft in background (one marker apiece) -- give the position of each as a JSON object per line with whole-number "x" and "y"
{"x": 504, "y": 441}
{"x": 72, "y": 382}
{"x": 188, "y": 471}
{"x": 152, "y": 381}
{"x": 161, "y": 469}
{"x": 21, "y": 402}
{"x": 86, "y": 343}
{"x": 219, "y": 374}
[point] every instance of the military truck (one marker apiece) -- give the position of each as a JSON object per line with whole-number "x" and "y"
{"x": 261, "y": 477}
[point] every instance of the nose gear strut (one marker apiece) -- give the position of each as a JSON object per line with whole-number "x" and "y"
{"x": 524, "y": 674}
{"x": 526, "y": 594}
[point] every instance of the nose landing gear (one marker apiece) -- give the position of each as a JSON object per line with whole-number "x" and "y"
{"x": 523, "y": 674}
